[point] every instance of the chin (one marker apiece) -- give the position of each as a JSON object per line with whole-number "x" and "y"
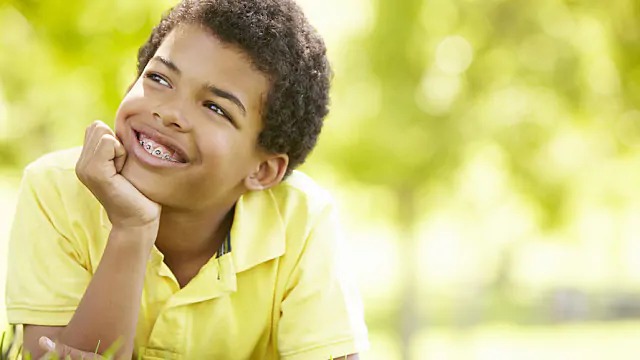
{"x": 148, "y": 184}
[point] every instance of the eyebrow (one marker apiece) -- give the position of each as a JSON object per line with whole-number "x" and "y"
{"x": 227, "y": 95}
{"x": 212, "y": 89}
{"x": 168, "y": 63}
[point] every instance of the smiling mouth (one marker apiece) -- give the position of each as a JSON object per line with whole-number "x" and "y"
{"x": 158, "y": 150}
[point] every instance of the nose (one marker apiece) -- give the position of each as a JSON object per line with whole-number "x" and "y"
{"x": 172, "y": 116}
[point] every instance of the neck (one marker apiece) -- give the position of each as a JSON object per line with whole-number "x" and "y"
{"x": 189, "y": 235}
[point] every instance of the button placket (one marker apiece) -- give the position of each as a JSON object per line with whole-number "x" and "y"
{"x": 170, "y": 324}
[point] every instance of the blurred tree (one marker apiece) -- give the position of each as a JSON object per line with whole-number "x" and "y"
{"x": 51, "y": 85}
{"x": 549, "y": 89}
{"x": 395, "y": 143}
{"x": 436, "y": 82}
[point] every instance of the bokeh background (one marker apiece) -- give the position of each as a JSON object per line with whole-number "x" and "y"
{"x": 484, "y": 153}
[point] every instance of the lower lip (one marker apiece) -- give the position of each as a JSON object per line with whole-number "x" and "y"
{"x": 148, "y": 159}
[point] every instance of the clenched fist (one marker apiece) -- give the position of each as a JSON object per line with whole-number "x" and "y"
{"x": 101, "y": 161}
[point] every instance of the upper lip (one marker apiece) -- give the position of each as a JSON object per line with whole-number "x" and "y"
{"x": 163, "y": 139}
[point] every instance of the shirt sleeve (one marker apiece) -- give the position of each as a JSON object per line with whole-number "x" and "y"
{"x": 45, "y": 275}
{"x": 322, "y": 314}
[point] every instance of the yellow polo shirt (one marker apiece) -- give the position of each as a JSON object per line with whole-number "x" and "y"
{"x": 278, "y": 290}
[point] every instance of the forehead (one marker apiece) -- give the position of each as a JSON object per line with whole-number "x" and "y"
{"x": 203, "y": 59}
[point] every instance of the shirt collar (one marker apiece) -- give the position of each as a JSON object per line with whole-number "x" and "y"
{"x": 258, "y": 231}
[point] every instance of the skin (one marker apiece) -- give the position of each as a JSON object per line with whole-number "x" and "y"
{"x": 206, "y": 98}
{"x": 218, "y": 136}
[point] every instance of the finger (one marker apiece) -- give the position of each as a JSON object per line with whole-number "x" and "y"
{"x": 47, "y": 345}
{"x": 88, "y": 136}
{"x": 108, "y": 148}
{"x": 54, "y": 351}
{"x": 98, "y": 129}
{"x": 109, "y": 157}
{"x": 91, "y": 138}
{"x": 88, "y": 130}
{"x": 84, "y": 154}
{"x": 120, "y": 155}
{"x": 63, "y": 351}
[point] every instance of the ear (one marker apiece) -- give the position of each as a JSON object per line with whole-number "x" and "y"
{"x": 269, "y": 173}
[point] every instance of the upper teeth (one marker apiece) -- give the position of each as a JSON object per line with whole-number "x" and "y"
{"x": 157, "y": 152}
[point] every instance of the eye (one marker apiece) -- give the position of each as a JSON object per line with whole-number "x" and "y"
{"x": 157, "y": 78}
{"x": 218, "y": 110}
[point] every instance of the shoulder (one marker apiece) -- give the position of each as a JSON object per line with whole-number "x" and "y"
{"x": 52, "y": 177}
{"x": 308, "y": 211}
{"x": 299, "y": 195}
{"x": 54, "y": 164}
{"x": 52, "y": 181}
{"x": 278, "y": 221}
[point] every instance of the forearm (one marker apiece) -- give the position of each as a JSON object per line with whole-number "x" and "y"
{"x": 109, "y": 308}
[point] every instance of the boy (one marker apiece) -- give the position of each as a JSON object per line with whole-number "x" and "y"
{"x": 175, "y": 236}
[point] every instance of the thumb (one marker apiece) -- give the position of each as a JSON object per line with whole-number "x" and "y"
{"x": 51, "y": 349}
{"x": 46, "y": 344}
{"x": 61, "y": 351}
{"x": 120, "y": 155}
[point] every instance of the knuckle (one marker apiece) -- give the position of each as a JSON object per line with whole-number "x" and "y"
{"x": 106, "y": 139}
{"x": 63, "y": 350}
{"x": 85, "y": 173}
{"x": 94, "y": 124}
{"x": 103, "y": 126}
{"x": 82, "y": 177}
{"x": 79, "y": 169}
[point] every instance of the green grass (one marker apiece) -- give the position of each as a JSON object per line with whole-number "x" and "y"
{"x": 107, "y": 355}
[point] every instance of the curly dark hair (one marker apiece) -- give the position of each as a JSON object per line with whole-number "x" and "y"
{"x": 280, "y": 43}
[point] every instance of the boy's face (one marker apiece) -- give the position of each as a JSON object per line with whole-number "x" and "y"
{"x": 197, "y": 107}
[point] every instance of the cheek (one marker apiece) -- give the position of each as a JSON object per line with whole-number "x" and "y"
{"x": 213, "y": 138}
{"x": 133, "y": 103}
{"x": 216, "y": 153}
{"x": 133, "y": 98}
{"x": 227, "y": 153}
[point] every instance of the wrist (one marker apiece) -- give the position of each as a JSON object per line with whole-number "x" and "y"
{"x": 135, "y": 237}
{"x": 135, "y": 223}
